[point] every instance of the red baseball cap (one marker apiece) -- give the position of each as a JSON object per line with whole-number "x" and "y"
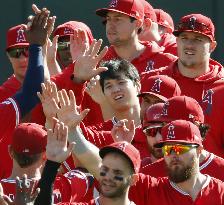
{"x": 133, "y": 8}
{"x": 29, "y": 139}
{"x": 161, "y": 86}
{"x": 149, "y": 11}
{"x": 164, "y": 19}
{"x": 68, "y": 28}
{"x": 16, "y": 37}
{"x": 182, "y": 107}
{"x": 180, "y": 131}
{"x": 152, "y": 115}
{"x": 196, "y": 23}
{"x": 126, "y": 149}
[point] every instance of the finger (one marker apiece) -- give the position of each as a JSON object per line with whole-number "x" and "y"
{"x": 56, "y": 130}
{"x": 96, "y": 48}
{"x": 55, "y": 105}
{"x": 91, "y": 48}
{"x": 102, "y": 54}
{"x": 132, "y": 126}
{"x": 43, "y": 88}
{"x": 36, "y": 19}
{"x": 40, "y": 97}
{"x": 61, "y": 99}
{"x": 35, "y": 9}
{"x": 73, "y": 100}
{"x": 44, "y": 18}
{"x": 66, "y": 98}
{"x": 61, "y": 132}
{"x": 35, "y": 194}
{"x": 99, "y": 70}
{"x": 50, "y": 24}
{"x": 55, "y": 42}
{"x": 83, "y": 114}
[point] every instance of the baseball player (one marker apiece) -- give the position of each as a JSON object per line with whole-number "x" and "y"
{"x": 197, "y": 75}
{"x": 182, "y": 146}
{"x": 185, "y": 108}
{"x": 14, "y": 108}
{"x": 120, "y": 164}
{"x": 166, "y": 28}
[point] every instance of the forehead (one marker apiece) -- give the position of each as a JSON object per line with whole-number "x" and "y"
{"x": 116, "y": 161}
{"x": 116, "y": 14}
{"x": 193, "y": 35}
{"x": 120, "y": 76}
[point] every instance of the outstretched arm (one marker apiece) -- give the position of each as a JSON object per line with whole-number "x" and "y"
{"x": 37, "y": 34}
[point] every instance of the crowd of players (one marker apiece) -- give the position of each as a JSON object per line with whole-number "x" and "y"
{"x": 137, "y": 122}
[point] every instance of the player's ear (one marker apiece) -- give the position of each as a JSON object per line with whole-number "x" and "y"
{"x": 213, "y": 45}
{"x": 134, "y": 179}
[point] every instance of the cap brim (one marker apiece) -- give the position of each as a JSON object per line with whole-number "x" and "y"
{"x": 161, "y": 143}
{"x": 103, "y": 12}
{"x": 164, "y": 99}
{"x": 105, "y": 150}
{"x": 17, "y": 45}
{"x": 177, "y": 33}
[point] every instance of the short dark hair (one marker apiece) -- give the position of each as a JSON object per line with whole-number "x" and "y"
{"x": 116, "y": 67}
{"x": 24, "y": 160}
{"x": 203, "y": 128}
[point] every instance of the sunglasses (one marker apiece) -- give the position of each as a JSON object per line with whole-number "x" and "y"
{"x": 17, "y": 52}
{"x": 63, "y": 45}
{"x": 195, "y": 26}
{"x": 152, "y": 131}
{"x": 177, "y": 149}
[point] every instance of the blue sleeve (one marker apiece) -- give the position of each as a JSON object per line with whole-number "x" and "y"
{"x": 27, "y": 98}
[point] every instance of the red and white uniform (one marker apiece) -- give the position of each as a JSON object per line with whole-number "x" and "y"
{"x": 154, "y": 191}
{"x": 9, "y": 118}
{"x": 75, "y": 186}
{"x": 212, "y": 165}
{"x": 9, "y": 88}
{"x": 208, "y": 90}
{"x": 168, "y": 41}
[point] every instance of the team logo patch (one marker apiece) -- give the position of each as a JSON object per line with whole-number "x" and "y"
{"x": 113, "y": 3}
{"x": 192, "y": 22}
{"x": 170, "y": 134}
{"x": 150, "y": 66}
{"x": 20, "y": 36}
{"x": 207, "y": 98}
{"x": 156, "y": 86}
{"x": 68, "y": 31}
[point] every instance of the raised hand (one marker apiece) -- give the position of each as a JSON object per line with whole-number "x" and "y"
{"x": 79, "y": 42}
{"x": 120, "y": 132}
{"x": 86, "y": 65}
{"x": 49, "y": 99}
{"x": 26, "y": 191}
{"x": 38, "y": 30}
{"x": 57, "y": 138}
{"x": 94, "y": 89}
{"x": 69, "y": 111}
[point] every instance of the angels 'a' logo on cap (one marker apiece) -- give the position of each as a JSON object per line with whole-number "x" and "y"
{"x": 68, "y": 31}
{"x": 20, "y": 36}
{"x": 170, "y": 134}
{"x": 165, "y": 109}
{"x": 113, "y": 3}
{"x": 150, "y": 66}
{"x": 192, "y": 22}
{"x": 156, "y": 86}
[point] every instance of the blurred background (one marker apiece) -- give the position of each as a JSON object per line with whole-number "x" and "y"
{"x": 15, "y": 12}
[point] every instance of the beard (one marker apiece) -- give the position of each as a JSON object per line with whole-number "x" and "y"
{"x": 182, "y": 173}
{"x": 118, "y": 192}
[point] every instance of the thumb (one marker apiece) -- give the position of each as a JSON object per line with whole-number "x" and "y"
{"x": 55, "y": 41}
{"x": 84, "y": 113}
{"x": 100, "y": 70}
{"x": 70, "y": 148}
